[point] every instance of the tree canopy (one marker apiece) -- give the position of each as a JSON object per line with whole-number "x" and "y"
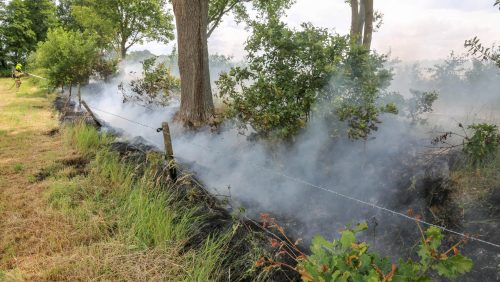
{"x": 124, "y": 23}
{"x": 23, "y": 24}
{"x": 67, "y": 56}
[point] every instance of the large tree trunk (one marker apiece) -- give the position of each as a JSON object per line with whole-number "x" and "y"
{"x": 354, "y": 18}
{"x": 362, "y": 22}
{"x": 191, "y": 18}
{"x": 367, "y": 38}
{"x": 123, "y": 49}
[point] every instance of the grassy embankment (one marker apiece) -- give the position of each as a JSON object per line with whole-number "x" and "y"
{"x": 71, "y": 209}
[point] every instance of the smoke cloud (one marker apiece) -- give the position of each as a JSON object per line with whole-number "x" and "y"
{"x": 381, "y": 171}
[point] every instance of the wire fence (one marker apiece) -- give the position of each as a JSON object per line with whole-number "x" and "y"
{"x": 322, "y": 188}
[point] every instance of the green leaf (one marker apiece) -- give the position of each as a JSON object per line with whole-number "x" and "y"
{"x": 360, "y": 227}
{"x": 453, "y": 266}
{"x": 347, "y": 239}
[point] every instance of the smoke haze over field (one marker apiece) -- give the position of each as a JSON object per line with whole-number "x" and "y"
{"x": 379, "y": 172}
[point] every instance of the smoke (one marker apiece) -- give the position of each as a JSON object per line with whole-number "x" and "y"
{"x": 262, "y": 177}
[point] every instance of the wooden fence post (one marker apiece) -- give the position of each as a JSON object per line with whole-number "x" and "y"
{"x": 79, "y": 96}
{"x": 169, "y": 151}
{"x": 91, "y": 113}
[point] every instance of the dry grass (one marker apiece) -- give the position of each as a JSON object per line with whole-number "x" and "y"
{"x": 41, "y": 242}
{"x": 29, "y": 231}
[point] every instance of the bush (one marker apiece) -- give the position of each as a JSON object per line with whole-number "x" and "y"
{"x": 483, "y": 144}
{"x": 292, "y": 74}
{"x": 155, "y": 87}
{"x": 347, "y": 259}
{"x": 286, "y": 70}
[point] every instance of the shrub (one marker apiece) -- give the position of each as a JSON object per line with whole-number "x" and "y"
{"x": 483, "y": 144}
{"x": 347, "y": 259}
{"x": 155, "y": 87}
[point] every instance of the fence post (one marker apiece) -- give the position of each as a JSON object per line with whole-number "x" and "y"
{"x": 91, "y": 113}
{"x": 169, "y": 151}
{"x": 79, "y": 96}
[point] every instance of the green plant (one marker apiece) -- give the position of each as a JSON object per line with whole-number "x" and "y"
{"x": 286, "y": 70}
{"x": 155, "y": 87}
{"x": 355, "y": 94}
{"x": 347, "y": 259}
{"x": 483, "y": 144}
{"x": 420, "y": 103}
{"x": 86, "y": 138}
{"x": 18, "y": 167}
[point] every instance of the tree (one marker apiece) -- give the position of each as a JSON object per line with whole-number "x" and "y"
{"x": 67, "y": 56}
{"x": 126, "y": 22}
{"x": 209, "y": 14}
{"x": 287, "y": 71}
{"x": 42, "y": 16}
{"x": 3, "y": 50}
{"x": 23, "y": 24}
{"x": 191, "y": 18}
{"x": 65, "y": 14}
{"x": 362, "y": 18}
{"x": 18, "y": 36}
{"x": 219, "y": 8}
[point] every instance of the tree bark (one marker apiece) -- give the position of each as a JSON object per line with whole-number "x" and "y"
{"x": 367, "y": 38}
{"x": 354, "y": 18}
{"x": 123, "y": 49}
{"x": 191, "y": 18}
{"x": 361, "y": 21}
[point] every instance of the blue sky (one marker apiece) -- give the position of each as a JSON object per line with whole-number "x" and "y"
{"x": 412, "y": 30}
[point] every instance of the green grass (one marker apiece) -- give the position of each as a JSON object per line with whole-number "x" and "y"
{"x": 85, "y": 138}
{"x": 18, "y": 167}
{"x": 135, "y": 205}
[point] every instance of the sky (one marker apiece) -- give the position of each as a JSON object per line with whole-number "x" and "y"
{"x": 412, "y": 30}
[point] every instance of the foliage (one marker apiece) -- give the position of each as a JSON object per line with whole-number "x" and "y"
{"x": 155, "y": 86}
{"x": 126, "y": 23}
{"x": 483, "y": 144}
{"x": 18, "y": 37}
{"x": 286, "y": 69}
{"x": 42, "y": 16}
{"x": 449, "y": 72}
{"x": 356, "y": 91}
{"x": 23, "y": 24}
{"x": 64, "y": 13}
{"x": 347, "y": 259}
{"x": 219, "y": 8}
{"x": 478, "y": 50}
{"x": 67, "y": 56}
{"x": 420, "y": 103}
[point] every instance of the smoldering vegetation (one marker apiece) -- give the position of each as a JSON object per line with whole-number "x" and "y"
{"x": 397, "y": 168}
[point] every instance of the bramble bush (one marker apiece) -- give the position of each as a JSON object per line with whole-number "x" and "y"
{"x": 347, "y": 259}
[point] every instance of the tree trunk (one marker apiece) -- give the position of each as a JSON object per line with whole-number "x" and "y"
{"x": 367, "y": 38}
{"x": 191, "y": 18}
{"x": 79, "y": 95}
{"x": 123, "y": 49}
{"x": 361, "y": 21}
{"x": 354, "y": 18}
